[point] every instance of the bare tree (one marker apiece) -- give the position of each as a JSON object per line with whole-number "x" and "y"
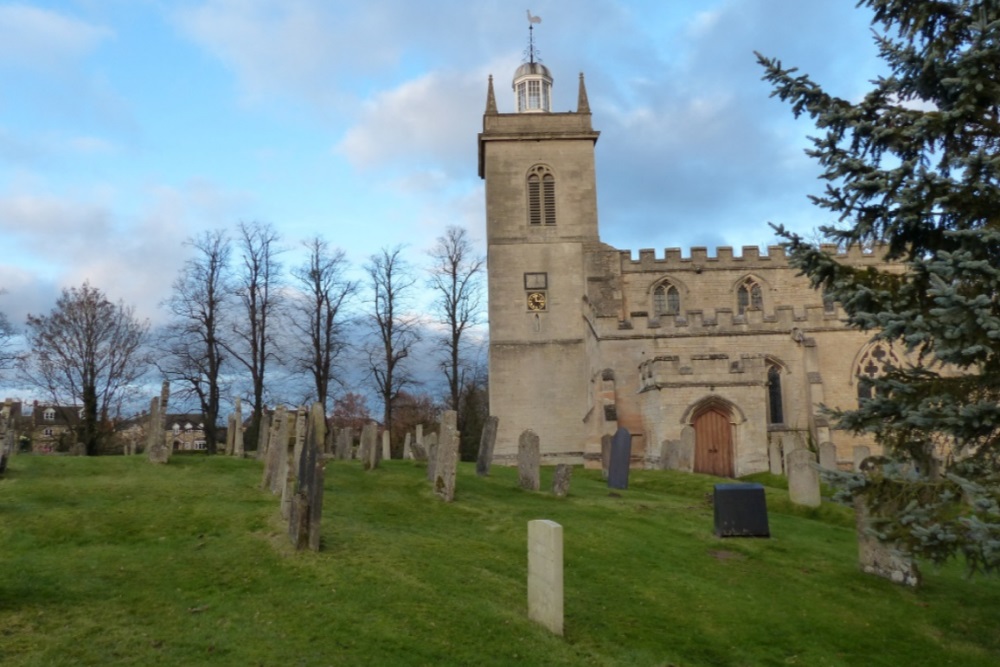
{"x": 257, "y": 283}
{"x": 87, "y": 351}
{"x": 393, "y": 331}
{"x": 192, "y": 353}
{"x": 456, "y": 278}
{"x": 318, "y": 320}
{"x": 8, "y": 355}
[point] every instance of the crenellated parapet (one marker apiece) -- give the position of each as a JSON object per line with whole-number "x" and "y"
{"x": 722, "y": 321}
{"x": 724, "y": 258}
{"x": 713, "y": 369}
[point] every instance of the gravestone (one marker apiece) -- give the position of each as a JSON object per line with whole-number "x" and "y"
{"x": 238, "y": 429}
{"x": 545, "y": 574}
{"x": 621, "y": 459}
{"x": 307, "y": 507}
{"x": 300, "y": 433}
{"x": 528, "y": 461}
{"x": 740, "y": 510}
{"x": 605, "y": 454}
{"x": 666, "y": 451}
{"x": 274, "y": 464}
{"x": 861, "y": 452}
{"x": 386, "y": 451}
{"x": 828, "y": 456}
{"x": 803, "y": 478}
{"x": 263, "y": 433}
{"x": 776, "y": 459}
{"x": 290, "y": 473}
{"x": 878, "y": 558}
{"x": 230, "y": 432}
{"x": 418, "y": 451}
{"x": 447, "y": 457}
{"x": 486, "y": 444}
{"x": 561, "y": 478}
{"x": 159, "y": 450}
{"x": 407, "y": 450}
{"x": 432, "y": 446}
{"x": 345, "y": 441}
{"x": 685, "y": 450}
{"x": 368, "y": 452}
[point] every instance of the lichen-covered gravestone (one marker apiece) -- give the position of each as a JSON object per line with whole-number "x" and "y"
{"x": 368, "y": 452}
{"x": 238, "y": 429}
{"x": 621, "y": 459}
{"x": 803, "y": 478}
{"x": 882, "y": 560}
{"x": 528, "y": 461}
{"x": 307, "y": 507}
{"x": 561, "y": 479}
{"x": 159, "y": 450}
{"x": 263, "y": 433}
{"x": 486, "y": 444}
{"x": 447, "y": 457}
{"x": 432, "y": 446}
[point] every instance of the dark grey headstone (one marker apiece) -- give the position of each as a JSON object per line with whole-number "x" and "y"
{"x": 486, "y": 443}
{"x": 621, "y": 459}
{"x": 740, "y": 510}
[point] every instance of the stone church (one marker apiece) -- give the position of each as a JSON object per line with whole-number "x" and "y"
{"x": 714, "y": 362}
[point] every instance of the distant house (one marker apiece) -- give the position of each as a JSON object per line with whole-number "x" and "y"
{"x": 52, "y": 427}
{"x": 185, "y": 432}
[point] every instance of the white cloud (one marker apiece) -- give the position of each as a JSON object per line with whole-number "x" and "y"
{"x": 38, "y": 38}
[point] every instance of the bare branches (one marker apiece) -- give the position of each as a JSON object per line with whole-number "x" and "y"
{"x": 87, "y": 351}
{"x": 318, "y": 318}
{"x": 393, "y": 331}
{"x": 191, "y": 343}
{"x": 456, "y": 278}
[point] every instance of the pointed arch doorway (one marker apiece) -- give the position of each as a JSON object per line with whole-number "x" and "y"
{"x": 713, "y": 440}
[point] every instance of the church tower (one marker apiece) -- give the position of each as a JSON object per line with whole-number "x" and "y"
{"x": 541, "y": 218}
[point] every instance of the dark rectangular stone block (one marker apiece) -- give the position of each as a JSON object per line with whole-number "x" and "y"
{"x": 740, "y": 510}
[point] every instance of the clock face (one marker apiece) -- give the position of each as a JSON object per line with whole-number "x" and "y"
{"x": 536, "y": 301}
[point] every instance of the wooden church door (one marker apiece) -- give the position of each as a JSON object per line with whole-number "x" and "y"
{"x": 713, "y": 438}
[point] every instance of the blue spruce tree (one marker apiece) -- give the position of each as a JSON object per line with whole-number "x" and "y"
{"x": 913, "y": 172}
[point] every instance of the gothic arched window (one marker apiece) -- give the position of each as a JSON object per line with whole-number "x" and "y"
{"x": 541, "y": 196}
{"x": 775, "y": 412}
{"x": 749, "y": 295}
{"x": 666, "y": 300}
{"x": 875, "y": 362}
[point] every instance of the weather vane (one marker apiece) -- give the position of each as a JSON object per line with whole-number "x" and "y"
{"x": 531, "y": 53}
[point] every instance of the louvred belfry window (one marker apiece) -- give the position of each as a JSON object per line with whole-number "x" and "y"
{"x": 541, "y": 196}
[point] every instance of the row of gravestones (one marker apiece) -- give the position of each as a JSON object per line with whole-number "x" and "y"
{"x": 294, "y": 469}
{"x": 8, "y": 442}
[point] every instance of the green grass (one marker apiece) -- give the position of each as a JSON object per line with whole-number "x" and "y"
{"x": 113, "y": 561}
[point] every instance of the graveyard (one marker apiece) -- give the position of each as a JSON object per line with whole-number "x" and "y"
{"x": 111, "y": 560}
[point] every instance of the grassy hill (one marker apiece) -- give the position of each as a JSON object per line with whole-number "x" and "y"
{"x": 113, "y": 561}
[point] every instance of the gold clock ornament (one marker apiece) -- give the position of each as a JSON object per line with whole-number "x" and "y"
{"x": 536, "y": 301}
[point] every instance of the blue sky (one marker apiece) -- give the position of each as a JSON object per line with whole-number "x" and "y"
{"x": 127, "y": 126}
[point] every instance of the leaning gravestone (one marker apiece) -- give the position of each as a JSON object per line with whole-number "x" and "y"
{"x": 561, "y": 479}
{"x": 528, "y": 461}
{"x": 238, "y": 429}
{"x": 828, "y": 456}
{"x": 289, "y": 476}
{"x": 803, "y": 478}
{"x": 878, "y": 558}
{"x": 486, "y": 444}
{"x": 277, "y": 450}
{"x": 157, "y": 447}
{"x": 307, "y": 507}
{"x": 447, "y": 457}
{"x": 621, "y": 459}
{"x": 263, "y": 433}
